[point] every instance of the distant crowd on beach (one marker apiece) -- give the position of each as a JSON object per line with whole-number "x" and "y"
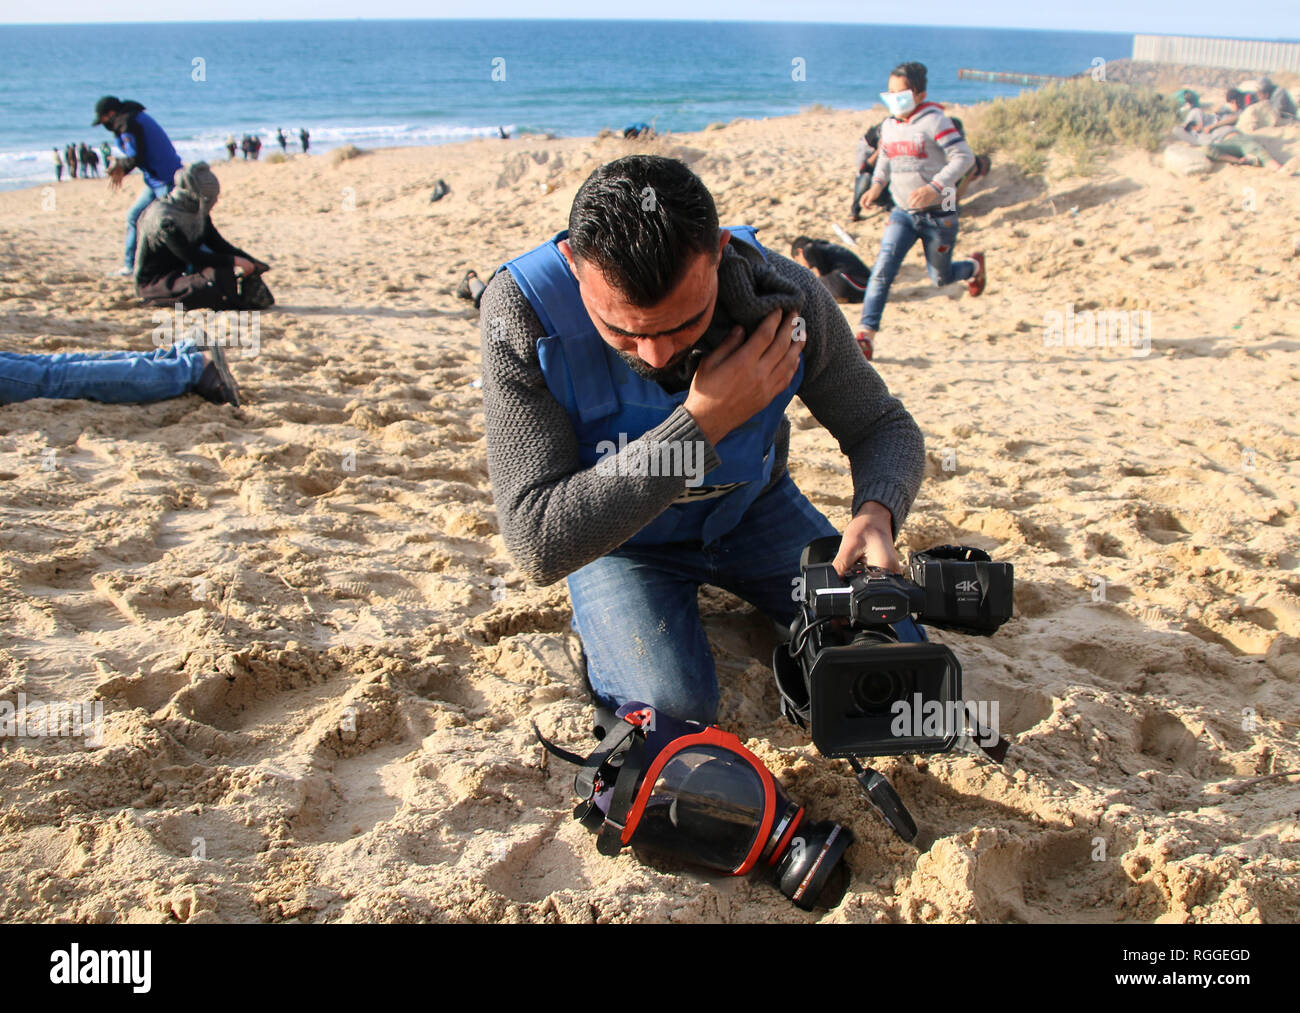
{"x": 81, "y": 160}
{"x": 251, "y": 144}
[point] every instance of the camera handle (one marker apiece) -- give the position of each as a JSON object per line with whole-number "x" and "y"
{"x": 880, "y": 793}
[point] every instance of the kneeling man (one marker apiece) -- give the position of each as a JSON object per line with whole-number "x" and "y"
{"x": 636, "y": 372}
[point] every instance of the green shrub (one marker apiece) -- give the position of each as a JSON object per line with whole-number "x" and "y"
{"x": 1080, "y": 119}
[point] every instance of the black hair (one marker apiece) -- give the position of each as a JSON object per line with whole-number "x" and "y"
{"x": 873, "y": 136}
{"x": 638, "y": 220}
{"x": 800, "y": 244}
{"x": 915, "y": 74}
{"x": 1234, "y": 96}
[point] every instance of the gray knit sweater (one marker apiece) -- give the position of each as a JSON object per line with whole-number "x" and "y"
{"x": 556, "y": 516}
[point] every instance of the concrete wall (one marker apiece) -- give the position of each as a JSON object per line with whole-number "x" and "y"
{"x": 1239, "y": 54}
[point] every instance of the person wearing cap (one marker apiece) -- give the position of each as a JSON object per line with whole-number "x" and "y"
{"x": 144, "y": 145}
{"x": 184, "y": 259}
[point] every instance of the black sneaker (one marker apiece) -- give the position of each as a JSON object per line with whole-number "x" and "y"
{"x": 216, "y": 384}
{"x": 463, "y": 290}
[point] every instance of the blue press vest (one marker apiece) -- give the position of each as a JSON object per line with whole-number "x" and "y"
{"x": 605, "y": 398}
{"x": 160, "y": 161}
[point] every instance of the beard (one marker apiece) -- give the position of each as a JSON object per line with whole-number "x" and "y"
{"x": 676, "y": 375}
{"x": 673, "y": 377}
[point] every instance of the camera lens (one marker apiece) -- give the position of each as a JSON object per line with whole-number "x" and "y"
{"x": 876, "y": 691}
{"x": 875, "y": 635}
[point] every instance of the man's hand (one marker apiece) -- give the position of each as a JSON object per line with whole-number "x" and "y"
{"x": 740, "y": 377}
{"x": 872, "y": 195}
{"x": 922, "y": 197}
{"x": 869, "y": 536}
{"x": 115, "y": 176}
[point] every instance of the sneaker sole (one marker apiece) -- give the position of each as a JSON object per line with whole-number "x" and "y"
{"x": 223, "y": 371}
{"x": 977, "y": 287}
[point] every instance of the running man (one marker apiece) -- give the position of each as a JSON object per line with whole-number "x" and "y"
{"x": 923, "y": 158}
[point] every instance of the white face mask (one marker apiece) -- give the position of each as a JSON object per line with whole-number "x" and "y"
{"x": 899, "y": 103}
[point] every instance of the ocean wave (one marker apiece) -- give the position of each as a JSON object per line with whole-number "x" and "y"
{"x": 28, "y": 166}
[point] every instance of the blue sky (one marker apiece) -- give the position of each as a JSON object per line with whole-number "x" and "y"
{"x": 1266, "y": 19}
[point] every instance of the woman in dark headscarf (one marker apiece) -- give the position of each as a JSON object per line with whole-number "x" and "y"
{"x": 182, "y": 258}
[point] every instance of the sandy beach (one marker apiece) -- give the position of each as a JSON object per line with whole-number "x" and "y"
{"x": 318, "y": 664}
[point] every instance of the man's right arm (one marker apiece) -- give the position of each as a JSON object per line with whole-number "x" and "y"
{"x": 556, "y": 515}
{"x": 132, "y": 144}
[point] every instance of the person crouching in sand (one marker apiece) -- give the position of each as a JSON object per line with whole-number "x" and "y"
{"x": 922, "y": 160}
{"x": 640, "y": 343}
{"x": 184, "y": 259}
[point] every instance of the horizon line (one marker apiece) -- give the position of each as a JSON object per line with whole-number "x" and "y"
{"x": 642, "y": 20}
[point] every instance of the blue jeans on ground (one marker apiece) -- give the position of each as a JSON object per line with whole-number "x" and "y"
{"x": 147, "y": 196}
{"x": 937, "y": 231}
{"x": 101, "y": 376}
{"x": 637, "y": 609}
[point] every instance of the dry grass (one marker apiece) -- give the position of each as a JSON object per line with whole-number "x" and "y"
{"x": 1080, "y": 119}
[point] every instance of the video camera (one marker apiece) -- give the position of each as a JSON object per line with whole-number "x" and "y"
{"x": 861, "y": 675}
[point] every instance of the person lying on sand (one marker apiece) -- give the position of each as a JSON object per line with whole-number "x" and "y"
{"x": 1192, "y": 118}
{"x": 923, "y": 159}
{"x": 1284, "y": 106}
{"x": 1228, "y": 144}
{"x": 471, "y": 288}
{"x": 838, "y": 268}
{"x": 119, "y": 377}
{"x": 636, "y": 372}
{"x": 1217, "y": 131}
{"x": 184, "y": 259}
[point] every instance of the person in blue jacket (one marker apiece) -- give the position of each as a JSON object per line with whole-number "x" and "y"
{"x": 146, "y": 146}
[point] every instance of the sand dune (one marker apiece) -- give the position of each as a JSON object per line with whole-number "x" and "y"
{"x": 318, "y": 663}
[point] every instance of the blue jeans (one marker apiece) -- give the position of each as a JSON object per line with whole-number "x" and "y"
{"x": 937, "y": 231}
{"x": 147, "y": 196}
{"x": 101, "y": 376}
{"x": 637, "y": 609}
